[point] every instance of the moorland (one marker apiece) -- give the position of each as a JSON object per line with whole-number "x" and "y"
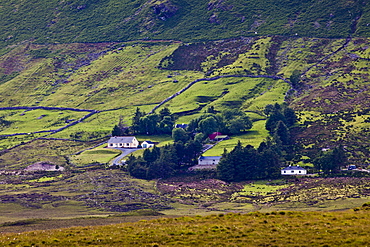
{"x": 72, "y": 71}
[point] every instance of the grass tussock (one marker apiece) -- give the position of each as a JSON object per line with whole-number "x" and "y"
{"x": 254, "y": 229}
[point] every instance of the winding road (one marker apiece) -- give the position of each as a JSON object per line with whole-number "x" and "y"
{"x": 125, "y": 151}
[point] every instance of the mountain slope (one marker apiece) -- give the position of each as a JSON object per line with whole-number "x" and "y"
{"x": 113, "y": 79}
{"x": 187, "y": 20}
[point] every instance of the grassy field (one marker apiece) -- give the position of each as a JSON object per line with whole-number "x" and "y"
{"x": 253, "y": 229}
{"x": 253, "y": 137}
{"x": 99, "y": 155}
{"x": 41, "y": 120}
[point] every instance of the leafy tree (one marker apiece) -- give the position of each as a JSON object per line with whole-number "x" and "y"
{"x": 282, "y": 133}
{"x": 290, "y": 116}
{"x": 136, "y": 121}
{"x": 192, "y": 126}
{"x": 179, "y": 134}
{"x": 148, "y": 124}
{"x": 151, "y": 155}
{"x": 116, "y": 131}
{"x": 192, "y": 149}
{"x": 249, "y": 163}
{"x": 200, "y": 137}
{"x": 273, "y": 120}
{"x": 235, "y": 121}
{"x": 268, "y": 109}
{"x": 269, "y": 165}
{"x": 225, "y": 169}
{"x": 211, "y": 109}
{"x": 165, "y": 112}
{"x": 295, "y": 78}
{"x": 208, "y": 125}
{"x": 137, "y": 167}
{"x": 331, "y": 161}
{"x": 340, "y": 156}
{"x": 166, "y": 125}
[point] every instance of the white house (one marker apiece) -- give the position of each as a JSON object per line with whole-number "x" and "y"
{"x": 293, "y": 170}
{"x": 208, "y": 160}
{"x": 182, "y": 126}
{"x": 147, "y": 144}
{"x": 123, "y": 142}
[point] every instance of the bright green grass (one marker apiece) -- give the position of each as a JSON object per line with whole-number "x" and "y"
{"x": 46, "y": 179}
{"x": 328, "y": 205}
{"x": 275, "y": 94}
{"x": 253, "y": 137}
{"x": 261, "y": 188}
{"x": 138, "y": 81}
{"x": 8, "y": 142}
{"x": 96, "y": 155}
{"x": 253, "y": 93}
{"x": 247, "y": 61}
{"x": 38, "y": 120}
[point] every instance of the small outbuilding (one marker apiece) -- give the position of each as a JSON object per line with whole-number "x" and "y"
{"x": 147, "y": 144}
{"x": 182, "y": 126}
{"x": 123, "y": 142}
{"x": 213, "y": 135}
{"x": 208, "y": 160}
{"x": 293, "y": 170}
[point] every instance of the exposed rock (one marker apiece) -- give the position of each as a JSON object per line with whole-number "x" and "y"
{"x": 44, "y": 166}
{"x": 218, "y": 5}
{"x": 214, "y": 19}
{"x": 165, "y": 10}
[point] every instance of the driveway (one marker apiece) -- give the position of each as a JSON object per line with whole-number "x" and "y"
{"x": 125, "y": 151}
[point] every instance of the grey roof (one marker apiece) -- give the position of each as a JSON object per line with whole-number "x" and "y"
{"x": 289, "y": 168}
{"x": 210, "y": 157}
{"x": 183, "y": 126}
{"x": 121, "y": 139}
{"x": 149, "y": 142}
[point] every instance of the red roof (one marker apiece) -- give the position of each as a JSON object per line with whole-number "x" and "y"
{"x": 213, "y": 135}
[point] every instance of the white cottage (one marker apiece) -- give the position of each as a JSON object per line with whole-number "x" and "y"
{"x": 123, "y": 142}
{"x": 208, "y": 160}
{"x": 147, "y": 144}
{"x": 293, "y": 170}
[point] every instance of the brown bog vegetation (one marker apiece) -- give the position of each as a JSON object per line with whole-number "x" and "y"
{"x": 282, "y": 228}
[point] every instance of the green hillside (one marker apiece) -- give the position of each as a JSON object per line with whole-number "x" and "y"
{"x": 110, "y": 80}
{"x": 188, "y": 20}
{"x": 72, "y": 70}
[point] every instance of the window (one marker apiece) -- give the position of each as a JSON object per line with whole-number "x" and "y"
{"x": 299, "y": 171}
{"x": 292, "y": 171}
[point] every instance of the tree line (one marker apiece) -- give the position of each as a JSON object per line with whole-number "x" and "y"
{"x": 233, "y": 121}
{"x": 244, "y": 163}
{"x": 162, "y": 162}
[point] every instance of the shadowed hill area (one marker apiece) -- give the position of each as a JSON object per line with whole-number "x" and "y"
{"x": 187, "y": 20}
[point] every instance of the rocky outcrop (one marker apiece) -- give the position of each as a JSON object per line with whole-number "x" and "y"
{"x": 44, "y": 166}
{"x": 165, "y": 10}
